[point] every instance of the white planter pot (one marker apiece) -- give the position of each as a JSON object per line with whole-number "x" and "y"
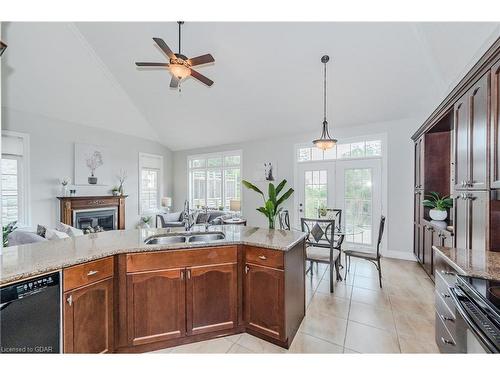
{"x": 438, "y": 215}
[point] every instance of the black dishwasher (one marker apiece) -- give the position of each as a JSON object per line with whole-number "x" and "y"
{"x": 30, "y": 316}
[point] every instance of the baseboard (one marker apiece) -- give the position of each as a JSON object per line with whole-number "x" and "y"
{"x": 404, "y": 255}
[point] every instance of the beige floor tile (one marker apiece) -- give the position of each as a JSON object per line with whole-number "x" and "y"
{"x": 341, "y": 290}
{"x": 376, "y": 298}
{"x": 366, "y": 339}
{"x": 161, "y": 351}
{"x": 220, "y": 345}
{"x": 238, "y": 349}
{"x": 410, "y": 345}
{"x": 349, "y": 351}
{"x": 412, "y": 305}
{"x": 329, "y": 305}
{"x": 367, "y": 270}
{"x": 367, "y": 283}
{"x": 234, "y": 338}
{"x": 416, "y": 327}
{"x": 257, "y": 345}
{"x": 304, "y": 343}
{"x": 325, "y": 327}
{"x": 372, "y": 316}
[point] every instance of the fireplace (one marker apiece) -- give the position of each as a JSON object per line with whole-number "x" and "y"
{"x": 93, "y": 218}
{"x": 107, "y": 212}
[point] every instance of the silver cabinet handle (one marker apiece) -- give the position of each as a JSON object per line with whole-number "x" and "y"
{"x": 70, "y": 300}
{"x": 445, "y": 318}
{"x": 448, "y": 273}
{"x": 91, "y": 273}
{"x": 188, "y": 274}
{"x": 181, "y": 275}
{"x": 263, "y": 257}
{"x": 444, "y": 295}
{"x": 447, "y": 342}
{"x": 247, "y": 269}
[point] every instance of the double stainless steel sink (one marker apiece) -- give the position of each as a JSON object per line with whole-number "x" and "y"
{"x": 171, "y": 238}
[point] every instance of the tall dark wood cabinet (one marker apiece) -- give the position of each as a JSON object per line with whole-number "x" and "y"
{"x": 495, "y": 126}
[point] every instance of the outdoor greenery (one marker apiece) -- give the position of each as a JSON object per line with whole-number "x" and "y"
{"x": 271, "y": 207}
{"x": 9, "y": 228}
{"x": 436, "y": 202}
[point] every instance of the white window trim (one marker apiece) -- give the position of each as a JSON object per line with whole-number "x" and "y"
{"x": 211, "y": 155}
{"x": 160, "y": 179}
{"x": 25, "y": 177}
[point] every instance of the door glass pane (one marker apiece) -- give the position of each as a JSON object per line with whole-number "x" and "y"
{"x": 214, "y": 189}
{"x": 304, "y": 154}
{"x": 198, "y": 188}
{"x": 10, "y": 190}
{"x": 315, "y": 184}
{"x": 358, "y": 203}
{"x": 233, "y": 181}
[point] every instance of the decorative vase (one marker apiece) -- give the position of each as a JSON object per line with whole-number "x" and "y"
{"x": 272, "y": 222}
{"x": 92, "y": 180}
{"x": 64, "y": 190}
{"x": 438, "y": 214}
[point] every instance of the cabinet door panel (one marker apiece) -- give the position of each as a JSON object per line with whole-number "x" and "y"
{"x": 461, "y": 142}
{"x": 155, "y": 306}
{"x": 417, "y": 207}
{"x": 416, "y": 235}
{"x": 419, "y": 161}
{"x": 461, "y": 207}
{"x": 478, "y": 219}
{"x": 88, "y": 318}
{"x": 428, "y": 242}
{"x": 211, "y": 298}
{"x": 478, "y": 133}
{"x": 495, "y": 126}
{"x": 264, "y": 300}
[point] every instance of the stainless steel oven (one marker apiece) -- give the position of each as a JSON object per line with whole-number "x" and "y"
{"x": 30, "y": 316}
{"x": 477, "y": 302}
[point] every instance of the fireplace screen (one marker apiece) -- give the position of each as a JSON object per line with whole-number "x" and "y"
{"x": 96, "y": 219}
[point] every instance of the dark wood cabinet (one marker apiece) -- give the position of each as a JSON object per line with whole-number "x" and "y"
{"x": 264, "y": 300}
{"x": 495, "y": 126}
{"x": 211, "y": 298}
{"x": 416, "y": 241}
{"x": 471, "y": 220}
{"x": 428, "y": 241}
{"x": 156, "y": 306}
{"x": 471, "y": 137}
{"x": 88, "y": 318}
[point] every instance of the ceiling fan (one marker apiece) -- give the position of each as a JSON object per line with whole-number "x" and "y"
{"x": 179, "y": 65}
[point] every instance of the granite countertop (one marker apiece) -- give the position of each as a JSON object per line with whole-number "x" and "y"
{"x": 20, "y": 262}
{"x": 485, "y": 264}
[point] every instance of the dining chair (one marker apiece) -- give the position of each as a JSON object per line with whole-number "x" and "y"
{"x": 284, "y": 219}
{"x": 334, "y": 214}
{"x": 320, "y": 245}
{"x": 373, "y": 257}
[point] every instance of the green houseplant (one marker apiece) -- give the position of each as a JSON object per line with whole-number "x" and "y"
{"x": 271, "y": 207}
{"x": 7, "y": 229}
{"x": 438, "y": 205}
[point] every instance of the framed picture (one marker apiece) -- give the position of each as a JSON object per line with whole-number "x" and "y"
{"x": 92, "y": 165}
{"x": 265, "y": 171}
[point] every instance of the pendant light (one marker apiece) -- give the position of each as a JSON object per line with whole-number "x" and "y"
{"x": 325, "y": 142}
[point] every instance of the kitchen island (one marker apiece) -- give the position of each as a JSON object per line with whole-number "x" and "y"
{"x": 121, "y": 294}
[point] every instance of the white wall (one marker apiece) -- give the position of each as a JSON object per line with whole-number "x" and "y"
{"x": 399, "y": 175}
{"x": 52, "y": 157}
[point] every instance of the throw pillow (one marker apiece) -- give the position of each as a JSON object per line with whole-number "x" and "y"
{"x": 41, "y": 230}
{"x": 69, "y": 230}
{"x": 52, "y": 234}
{"x": 170, "y": 217}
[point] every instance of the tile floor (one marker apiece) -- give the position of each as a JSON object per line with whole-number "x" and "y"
{"x": 358, "y": 318}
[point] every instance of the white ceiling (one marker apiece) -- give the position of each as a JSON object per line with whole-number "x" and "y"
{"x": 268, "y": 76}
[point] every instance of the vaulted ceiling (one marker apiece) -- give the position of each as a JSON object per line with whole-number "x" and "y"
{"x": 268, "y": 76}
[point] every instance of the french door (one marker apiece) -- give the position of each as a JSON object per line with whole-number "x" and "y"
{"x": 351, "y": 185}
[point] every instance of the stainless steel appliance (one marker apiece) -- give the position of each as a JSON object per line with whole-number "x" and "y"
{"x": 477, "y": 302}
{"x": 30, "y": 316}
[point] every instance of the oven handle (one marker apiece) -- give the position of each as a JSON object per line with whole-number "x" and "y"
{"x": 470, "y": 323}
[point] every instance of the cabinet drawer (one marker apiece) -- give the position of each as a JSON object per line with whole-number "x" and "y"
{"x": 444, "y": 340}
{"x": 83, "y": 274}
{"x": 443, "y": 292}
{"x": 447, "y": 314}
{"x": 158, "y": 260}
{"x": 264, "y": 257}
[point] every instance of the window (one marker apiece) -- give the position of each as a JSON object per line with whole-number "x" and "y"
{"x": 361, "y": 149}
{"x": 15, "y": 173}
{"x": 214, "y": 179}
{"x": 150, "y": 182}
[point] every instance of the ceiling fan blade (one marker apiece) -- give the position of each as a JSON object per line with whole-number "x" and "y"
{"x": 150, "y": 64}
{"x": 174, "y": 82}
{"x": 203, "y": 59}
{"x": 161, "y": 43}
{"x": 201, "y": 78}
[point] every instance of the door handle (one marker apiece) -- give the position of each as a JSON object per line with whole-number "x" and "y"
{"x": 70, "y": 300}
{"x": 247, "y": 269}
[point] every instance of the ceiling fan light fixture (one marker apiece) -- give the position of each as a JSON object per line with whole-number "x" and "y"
{"x": 180, "y": 70}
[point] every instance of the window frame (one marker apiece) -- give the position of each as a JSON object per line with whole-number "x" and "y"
{"x": 24, "y": 193}
{"x": 223, "y": 168}
{"x": 143, "y": 155}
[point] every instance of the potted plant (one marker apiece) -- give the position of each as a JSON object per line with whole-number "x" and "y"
{"x": 271, "y": 207}
{"x": 115, "y": 190}
{"x": 438, "y": 205}
{"x": 121, "y": 177}
{"x": 94, "y": 162}
{"x": 145, "y": 221}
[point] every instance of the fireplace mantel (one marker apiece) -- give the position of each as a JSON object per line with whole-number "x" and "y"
{"x": 69, "y": 204}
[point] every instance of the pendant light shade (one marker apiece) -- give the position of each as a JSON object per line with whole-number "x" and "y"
{"x": 325, "y": 142}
